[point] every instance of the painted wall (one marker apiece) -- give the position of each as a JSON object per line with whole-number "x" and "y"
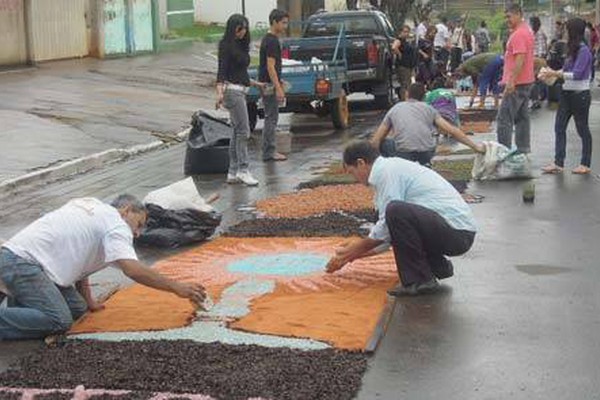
{"x": 213, "y": 11}
{"x": 162, "y": 17}
{"x": 180, "y": 13}
{"x": 57, "y": 29}
{"x": 13, "y": 35}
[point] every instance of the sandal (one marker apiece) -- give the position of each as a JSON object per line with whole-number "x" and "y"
{"x": 276, "y": 157}
{"x": 552, "y": 169}
{"x": 581, "y": 170}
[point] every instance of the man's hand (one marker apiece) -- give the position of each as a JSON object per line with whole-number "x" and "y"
{"x": 94, "y": 306}
{"x": 219, "y": 102}
{"x": 193, "y": 291}
{"x": 510, "y": 87}
{"x": 335, "y": 264}
{"x": 480, "y": 148}
{"x": 280, "y": 94}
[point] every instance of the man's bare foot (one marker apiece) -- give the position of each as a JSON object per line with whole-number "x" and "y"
{"x": 552, "y": 169}
{"x": 581, "y": 170}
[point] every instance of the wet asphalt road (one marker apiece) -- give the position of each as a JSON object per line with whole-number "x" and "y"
{"x": 519, "y": 319}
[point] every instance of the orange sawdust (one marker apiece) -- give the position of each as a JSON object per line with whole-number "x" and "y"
{"x": 341, "y": 308}
{"x": 345, "y": 317}
{"x": 140, "y": 308}
{"x": 207, "y": 264}
{"x": 317, "y": 201}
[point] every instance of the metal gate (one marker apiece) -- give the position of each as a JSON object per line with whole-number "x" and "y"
{"x": 13, "y": 35}
{"x": 128, "y": 26}
{"x": 57, "y": 29}
{"x": 114, "y": 16}
{"x": 141, "y": 28}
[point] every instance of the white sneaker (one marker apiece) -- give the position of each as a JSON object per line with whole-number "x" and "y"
{"x": 246, "y": 178}
{"x": 232, "y": 178}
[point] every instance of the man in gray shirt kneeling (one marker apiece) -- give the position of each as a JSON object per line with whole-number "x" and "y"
{"x": 415, "y": 125}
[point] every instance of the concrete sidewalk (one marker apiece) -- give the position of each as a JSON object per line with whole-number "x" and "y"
{"x": 66, "y": 110}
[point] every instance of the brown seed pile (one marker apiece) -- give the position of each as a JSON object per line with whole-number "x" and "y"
{"x": 478, "y": 115}
{"x": 10, "y": 396}
{"x": 328, "y": 224}
{"x": 217, "y": 370}
{"x": 317, "y": 201}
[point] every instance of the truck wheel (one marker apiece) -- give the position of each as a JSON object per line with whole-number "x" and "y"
{"x": 340, "y": 112}
{"x": 252, "y": 115}
{"x": 386, "y": 100}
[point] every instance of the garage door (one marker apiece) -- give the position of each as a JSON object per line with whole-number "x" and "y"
{"x": 13, "y": 39}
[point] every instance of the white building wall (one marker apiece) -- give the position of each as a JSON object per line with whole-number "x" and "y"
{"x": 335, "y": 5}
{"x": 217, "y": 11}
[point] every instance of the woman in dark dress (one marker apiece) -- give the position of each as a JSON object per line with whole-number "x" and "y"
{"x": 426, "y": 67}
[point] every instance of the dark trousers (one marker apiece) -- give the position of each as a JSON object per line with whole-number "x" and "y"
{"x": 388, "y": 149}
{"x": 455, "y": 58}
{"x": 441, "y": 56}
{"x": 577, "y": 105}
{"x": 421, "y": 238}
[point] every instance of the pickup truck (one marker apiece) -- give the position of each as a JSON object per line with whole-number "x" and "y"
{"x": 368, "y": 39}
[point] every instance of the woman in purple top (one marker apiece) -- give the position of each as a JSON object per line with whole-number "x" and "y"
{"x": 575, "y": 99}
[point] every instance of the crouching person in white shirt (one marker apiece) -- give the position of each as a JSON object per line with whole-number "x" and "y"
{"x": 421, "y": 216}
{"x": 44, "y": 268}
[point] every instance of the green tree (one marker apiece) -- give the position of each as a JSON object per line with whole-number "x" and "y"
{"x": 397, "y": 10}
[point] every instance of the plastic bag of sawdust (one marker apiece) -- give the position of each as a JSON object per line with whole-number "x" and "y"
{"x": 174, "y": 228}
{"x": 179, "y": 195}
{"x": 500, "y": 163}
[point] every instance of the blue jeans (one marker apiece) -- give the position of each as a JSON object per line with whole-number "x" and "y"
{"x": 235, "y": 102}
{"x": 36, "y": 306}
{"x": 270, "y": 126}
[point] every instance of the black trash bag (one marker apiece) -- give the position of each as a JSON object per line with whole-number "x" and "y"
{"x": 207, "y": 145}
{"x": 175, "y": 228}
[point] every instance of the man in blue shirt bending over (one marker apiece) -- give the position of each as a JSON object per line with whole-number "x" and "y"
{"x": 421, "y": 216}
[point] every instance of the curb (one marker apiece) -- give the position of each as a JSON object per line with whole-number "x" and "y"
{"x": 84, "y": 164}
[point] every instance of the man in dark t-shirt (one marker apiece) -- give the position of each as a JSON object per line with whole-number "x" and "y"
{"x": 269, "y": 71}
{"x": 406, "y": 60}
{"x": 269, "y": 48}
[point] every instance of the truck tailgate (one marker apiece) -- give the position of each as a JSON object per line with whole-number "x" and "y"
{"x": 324, "y": 47}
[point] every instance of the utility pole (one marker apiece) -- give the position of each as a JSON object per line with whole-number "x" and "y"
{"x": 244, "y": 8}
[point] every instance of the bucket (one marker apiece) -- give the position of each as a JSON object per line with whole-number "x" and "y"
{"x": 283, "y": 142}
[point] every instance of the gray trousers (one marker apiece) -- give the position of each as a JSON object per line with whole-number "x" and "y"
{"x": 235, "y": 102}
{"x": 268, "y": 134}
{"x": 514, "y": 112}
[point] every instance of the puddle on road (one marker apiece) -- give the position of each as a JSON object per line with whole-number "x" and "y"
{"x": 541, "y": 269}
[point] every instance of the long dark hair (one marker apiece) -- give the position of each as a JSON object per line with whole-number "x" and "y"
{"x": 576, "y": 32}
{"x": 233, "y": 24}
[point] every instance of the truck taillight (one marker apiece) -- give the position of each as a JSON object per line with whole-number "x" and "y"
{"x": 322, "y": 87}
{"x": 372, "y": 53}
{"x": 285, "y": 53}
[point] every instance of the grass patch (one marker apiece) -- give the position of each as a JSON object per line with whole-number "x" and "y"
{"x": 459, "y": 170}
{"x": 211, "y": 33}
{"x": 332, "y": 174}
{"x": 200, "y": 31}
